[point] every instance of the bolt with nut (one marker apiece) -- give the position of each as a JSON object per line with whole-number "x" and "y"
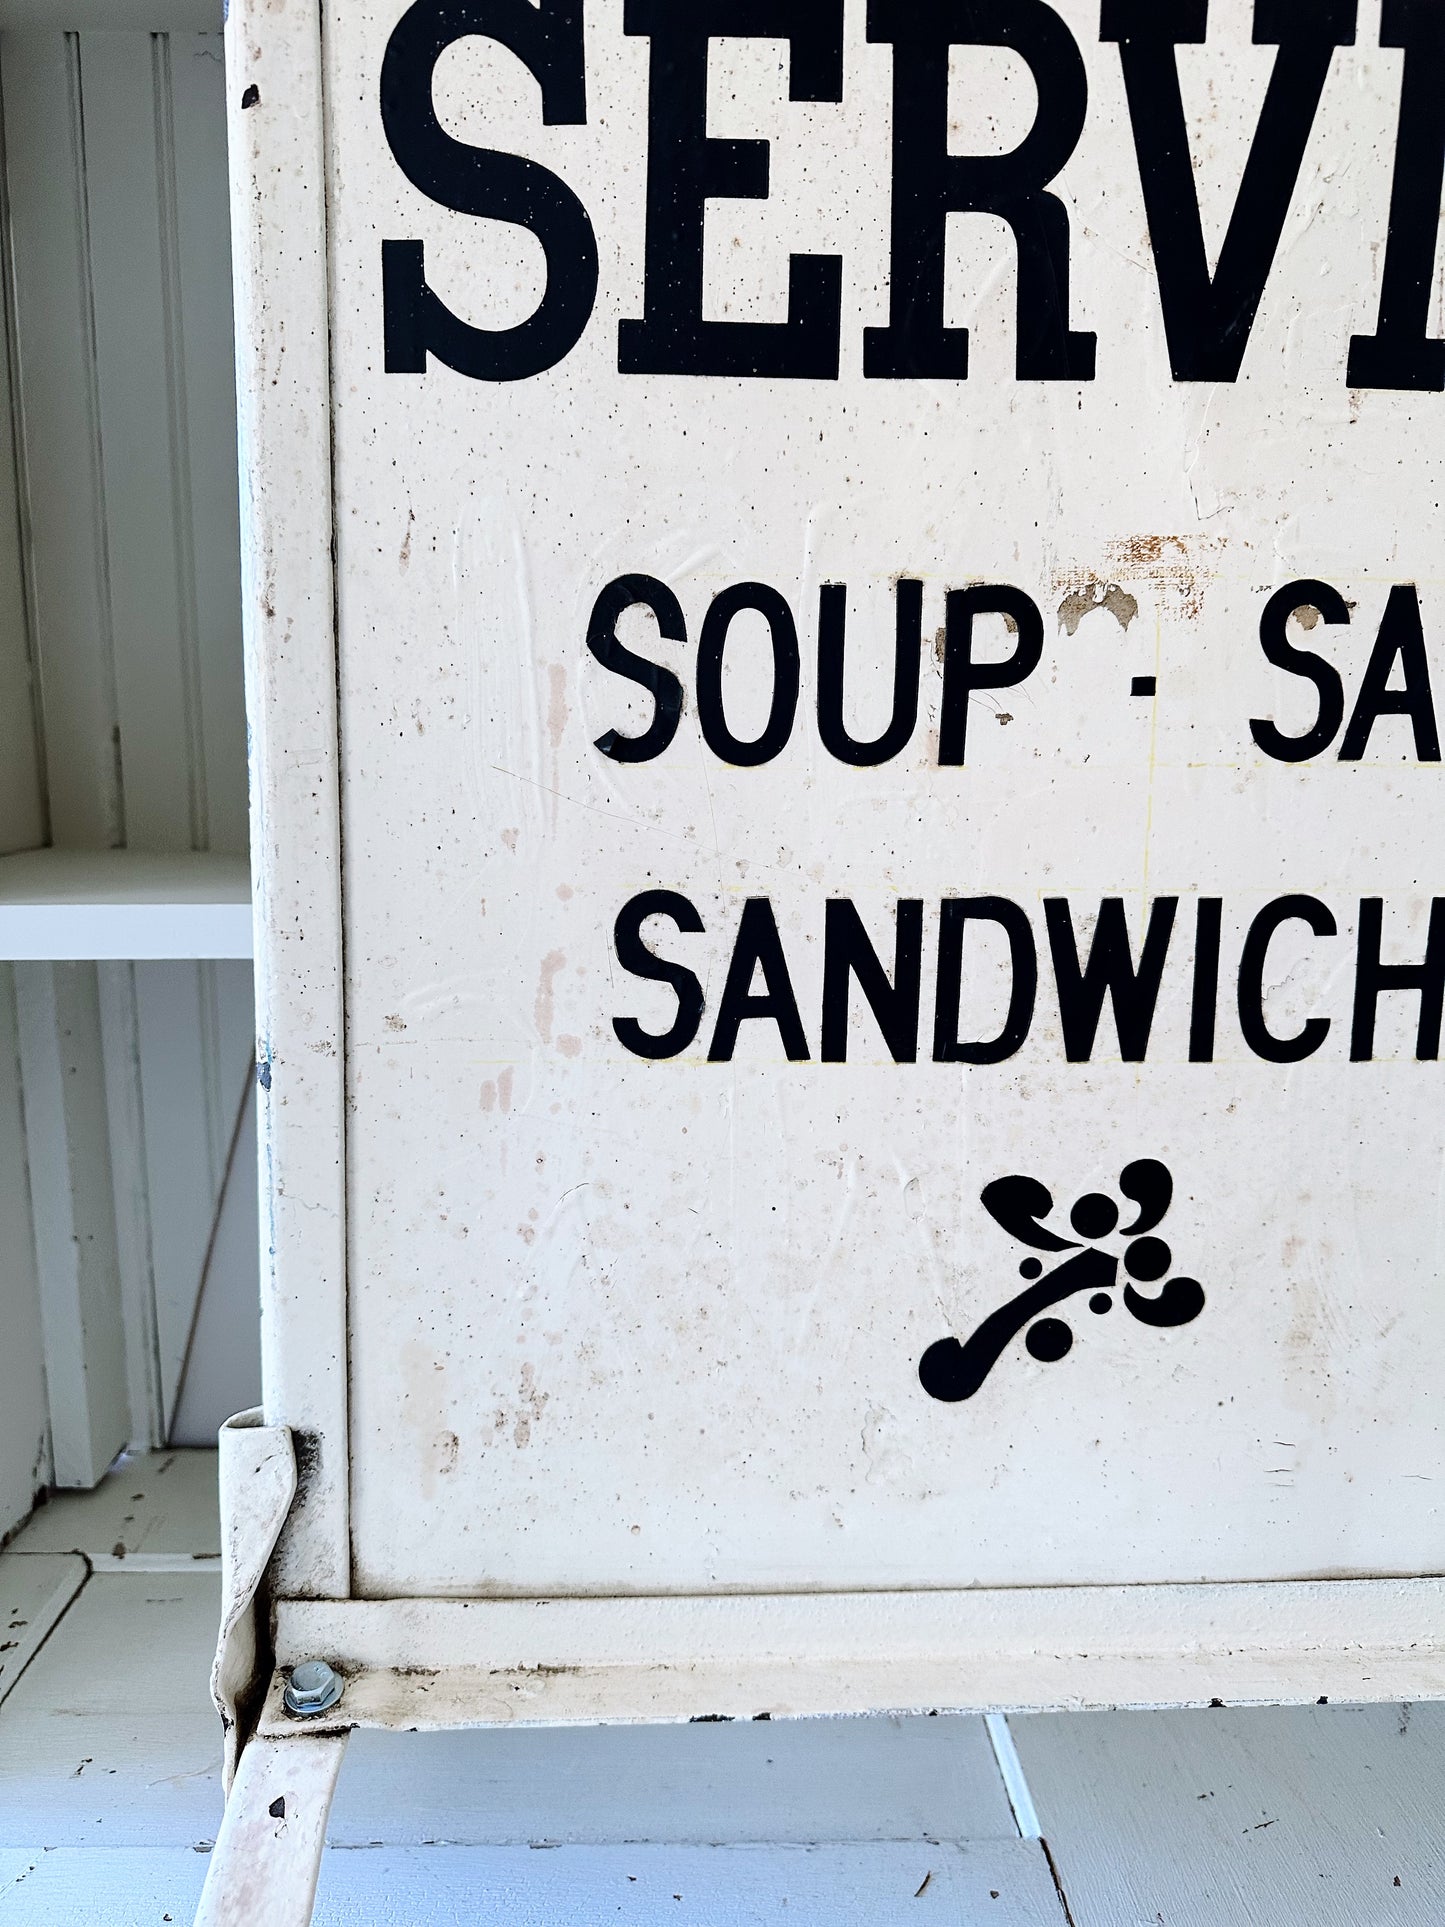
{"x": 313, "y": 1689}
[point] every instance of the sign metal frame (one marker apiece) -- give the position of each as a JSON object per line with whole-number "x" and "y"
{"x": 413, "y": 1662}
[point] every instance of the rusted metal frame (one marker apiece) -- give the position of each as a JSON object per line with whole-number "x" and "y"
{"x": 446, "y": 1663}
{"x": 275, "y": 112}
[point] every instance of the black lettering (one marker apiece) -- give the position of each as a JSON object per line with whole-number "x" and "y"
{"x": 1204, "y": 1005}
{"x": 1109, "y": 972}
{"x": 665, "y": 689}
{"x": 639, "y": 961}
{"x": 686, "y": 170}
{"x": 962, "y": 675}
{"x": 832, "y": 654}
{"x": 1257, "y": 1034}
{"x": 1373, "y": 979}
{"x": 548, "y": 40}
{"x": 1401, "y": 353}
{"x": 930, "y": 183}
{"x": 1209, "y": 321}
{"x": 1278, "y": 649}
{"x": 759, "y": 947}
{"x": 848, "y": 953}
{"x": 787, "y": 674}
{"x": 958, "y": 913}
{"x": 1401, "y": 639}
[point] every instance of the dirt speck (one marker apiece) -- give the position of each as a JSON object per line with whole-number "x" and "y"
{"x": 530, "y": 1406}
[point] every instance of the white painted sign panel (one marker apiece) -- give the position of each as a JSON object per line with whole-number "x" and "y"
{"x": 888, "y": 619}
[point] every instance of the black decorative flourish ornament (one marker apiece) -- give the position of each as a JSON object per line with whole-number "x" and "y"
{"x": 952, "y": 1372}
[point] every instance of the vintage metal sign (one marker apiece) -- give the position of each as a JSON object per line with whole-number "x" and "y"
{"x": 854, "y": 930}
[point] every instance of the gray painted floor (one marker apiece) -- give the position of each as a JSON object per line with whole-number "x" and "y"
{"x": 110, "y": 1788}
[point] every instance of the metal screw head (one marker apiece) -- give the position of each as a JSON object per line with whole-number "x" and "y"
{"x": 313, "y": 1689}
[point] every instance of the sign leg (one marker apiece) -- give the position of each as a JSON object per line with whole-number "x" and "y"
{"x": 267, "y": 1858}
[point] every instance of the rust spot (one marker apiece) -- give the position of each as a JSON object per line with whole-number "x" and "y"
{"x": 552, "y": 965}
{"x": 1171, "y": 563}
{"x": 1090, "y": 596}
{"x": 557, "y": 710}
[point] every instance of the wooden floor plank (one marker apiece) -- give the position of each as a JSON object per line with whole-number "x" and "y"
{"x": 998, "y": 1884}
{"x": 34, "y": 1592}
{"x": 745, "y": 1782}
{"x": 110, "y": 1736}
{"x": 156, "y": 1507}
{"x": 1306, "y": 1817}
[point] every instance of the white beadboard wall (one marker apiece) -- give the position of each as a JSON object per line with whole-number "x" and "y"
{"x": 24, "y": 1426}
{"x": 122, "y": 720}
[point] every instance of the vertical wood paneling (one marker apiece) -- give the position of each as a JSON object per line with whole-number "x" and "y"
{"x": 206, "y": 351}
{"x": 59, "y": 413}
{"x": 223, "y": 1371}
{"x": 22, "y": 800}
{"x": 120, "y": 238}
{"x": 146, "y": 501}
{"x": 119, "y": 230}
{"x": 195, "y": 1053}
{"x": 183, "y": 1155}
{"x": 130, "y": 1178}
{"x": 74, "y": 1219}
{"x": 24, "y": 1438}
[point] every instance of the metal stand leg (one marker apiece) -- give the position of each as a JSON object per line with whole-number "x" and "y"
{"x": 267, "y": 1858}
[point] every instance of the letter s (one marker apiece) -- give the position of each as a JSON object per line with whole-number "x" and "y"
{"x": 548, "y": 39}
{"x": 1280, "y": 651}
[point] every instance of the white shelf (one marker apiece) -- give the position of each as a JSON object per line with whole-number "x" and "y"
{"x": 113, "y": 16}
{"x": 95, "y": 906}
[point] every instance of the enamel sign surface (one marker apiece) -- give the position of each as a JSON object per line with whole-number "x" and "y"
{"x": 890, "y": 623}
